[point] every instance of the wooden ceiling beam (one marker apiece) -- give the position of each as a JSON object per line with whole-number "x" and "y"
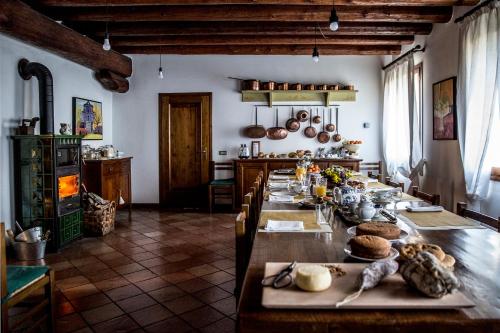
{"x": 260, "y": 40}
{"x": 264, "y": 50}
{"x": 20, "y": 21}
{"x": 249, "y": 28}
{"x": 257, "y": 13}
{"x": 92, "y": 3}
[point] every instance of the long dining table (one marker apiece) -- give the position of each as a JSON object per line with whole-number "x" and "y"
{"x": 477, "y": 254}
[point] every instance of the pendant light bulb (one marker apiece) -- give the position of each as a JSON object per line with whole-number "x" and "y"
{"x": 334, "y": 20}
{"x": 315, "y": 55}
{"x": 106, "y": 46}
{"x": 160, "y": 73}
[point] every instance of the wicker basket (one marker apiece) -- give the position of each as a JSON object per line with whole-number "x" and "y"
{"x": 100, "y": 219}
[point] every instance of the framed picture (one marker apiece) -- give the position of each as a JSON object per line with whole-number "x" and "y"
{"x": 255, "y": 149}
{"x": 444, "y": 109}
{"x": 87, "y": 118}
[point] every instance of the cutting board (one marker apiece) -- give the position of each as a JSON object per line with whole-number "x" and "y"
{"x": 391, "y": 293}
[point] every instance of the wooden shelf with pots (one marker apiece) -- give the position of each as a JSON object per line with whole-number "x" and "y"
{"x": 327, "y": 97}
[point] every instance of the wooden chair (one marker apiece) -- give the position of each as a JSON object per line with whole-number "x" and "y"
{"x": 389, "y": 182}
{"x": 433, "y": 199}
{"x": 221, "y": 188}
{"x": 483, "y": 218}
{"x": 242, "y": 249}
{"x": 20, "y": 284}
{"x": 373, "y": 169}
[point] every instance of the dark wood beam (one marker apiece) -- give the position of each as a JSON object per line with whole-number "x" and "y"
{"x": 257, "y": 13}
{"x": 260, "y": 40}
{"x": 23, "y": 23}
{"x": 249, "y": 28}
{"x": 85, "y": 3}
{"x": 264, "y": 50}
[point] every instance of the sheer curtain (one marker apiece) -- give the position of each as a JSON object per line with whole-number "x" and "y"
{"x": 398, "y": 106}
{"x": 478, "y": 97}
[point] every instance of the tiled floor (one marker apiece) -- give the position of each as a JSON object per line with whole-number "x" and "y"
{"x": 158, "y": 272}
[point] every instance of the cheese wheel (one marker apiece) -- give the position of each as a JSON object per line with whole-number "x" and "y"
{"x": 313, "y": 278}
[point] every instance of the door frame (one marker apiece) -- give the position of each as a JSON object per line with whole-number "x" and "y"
{"x": 162, "y": 190}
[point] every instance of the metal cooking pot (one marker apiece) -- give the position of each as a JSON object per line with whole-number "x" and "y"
{"x": 302, "y": 115}
{"x": 250, "y": 85}
{"x": 283, "y": 86}
{"x": 337, "y": 137}
{"x": 255, "y": 131}
{"x": 277, "y": 132}
{"x": 317, "y": 118}
{"x": 310, "y": 131}
{"x": 292, "y": 124}
{"x": 330, "y": 127}
{"x": 323, "y": 136}
{"x": 310, "y": 87}
{"x": 296, "y": 86}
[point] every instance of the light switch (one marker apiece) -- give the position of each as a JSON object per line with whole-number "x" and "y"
{"x": 366, "y": 125}
{"x": 222, "y": 152}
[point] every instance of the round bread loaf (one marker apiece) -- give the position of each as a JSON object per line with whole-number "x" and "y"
{"x": 370, "y": 247}
{"x": 381, "y": 229}
{"x": 313, "y": 278}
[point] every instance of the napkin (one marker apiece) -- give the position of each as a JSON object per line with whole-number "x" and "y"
{"x": 273, "y": 225}
{"x": 281, "y": 198}
{"x": 280, "y": 177}
{"x": 425, "y": 209}
{"x": 278, "y": 185}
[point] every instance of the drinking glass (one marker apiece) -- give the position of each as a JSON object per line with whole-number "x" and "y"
{"x": 396, "y": 197}
{"x": 300, "y": 173}
{"x": 320, "y": 187}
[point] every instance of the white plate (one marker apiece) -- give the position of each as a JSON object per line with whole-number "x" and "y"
{"x": 404, "y": 235}
{"x": 393, "y": 254}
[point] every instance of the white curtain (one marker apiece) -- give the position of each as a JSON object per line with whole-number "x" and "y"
{"x": 478, "y": 97}
{"x": 398, "y": 106}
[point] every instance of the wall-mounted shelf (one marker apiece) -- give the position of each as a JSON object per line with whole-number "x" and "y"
{"x": 327, "y": 97}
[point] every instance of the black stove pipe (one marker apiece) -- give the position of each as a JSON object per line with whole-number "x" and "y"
{"x": 45, "y": 90}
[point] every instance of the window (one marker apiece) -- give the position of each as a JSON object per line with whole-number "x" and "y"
{"x": 418, "y": 114}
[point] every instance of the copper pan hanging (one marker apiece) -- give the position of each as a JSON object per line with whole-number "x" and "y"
{"x": 302, "y": 116}
{"x": 310, "y": 131}
{"x": 317, "y": 118}
{"x": 330, "y": 127}
{"x": 277, "y": 132}
{"x": 323, "y": 136}
{"x": 292, "y": 124}
{"x": 337, "y": 137}
{"x": 255, "y": 131}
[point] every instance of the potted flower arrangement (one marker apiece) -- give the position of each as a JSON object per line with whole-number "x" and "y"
{"x": 336, "y": 175}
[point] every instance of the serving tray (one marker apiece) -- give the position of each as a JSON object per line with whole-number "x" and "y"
{"x": 391, "y": 293}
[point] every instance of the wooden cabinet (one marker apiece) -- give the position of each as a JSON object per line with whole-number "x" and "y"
{"x": 247, "y": 170}
{"x": 109, "y": 179}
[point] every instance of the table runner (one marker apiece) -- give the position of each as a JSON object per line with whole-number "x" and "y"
{"x": 437, "y": 220}
{"x": 307, "y": 216}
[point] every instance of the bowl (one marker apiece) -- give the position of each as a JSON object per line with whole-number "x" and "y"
{"x": 353, "y": 148}
{"x": 32, "y": 235}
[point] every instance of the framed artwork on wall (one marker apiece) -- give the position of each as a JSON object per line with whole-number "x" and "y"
{"x": 255, "y": 149}
{"x": 87, "y": 118}
{"x": 444, "y": 109}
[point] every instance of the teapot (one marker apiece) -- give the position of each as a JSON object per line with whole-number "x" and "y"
{"x": 365, "y": 210}
{"x": 345, "y": 195}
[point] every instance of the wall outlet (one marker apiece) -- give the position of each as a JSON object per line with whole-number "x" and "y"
{"x": 366, "y": 125}
{"x": 222, "y": 152}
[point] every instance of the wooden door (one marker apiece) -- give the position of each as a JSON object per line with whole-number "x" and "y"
{"x": 185, "y": 149}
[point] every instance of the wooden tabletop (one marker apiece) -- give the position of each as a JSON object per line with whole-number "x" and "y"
{"x": 477, "y": 252}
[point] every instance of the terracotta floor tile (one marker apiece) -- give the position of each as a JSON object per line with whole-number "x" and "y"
{"x": 194, "y": 285}
{"x": 102, "y": 313}
{"x": 202, "y": 270}
{"x": 84, "y": 261}
{"x": 224, "y": 325}
{"x": 84, "y": 330}
{"x": 117, "y": 325}
{"x": 178, "y": 277}
{"x": 176, "y": 257}
{"x": 151, "y": 315}
{"x": 142, "y": 256}
{"x": 145, "y": 274}
{"x": 183, "y": 304}
{"x": 152, "y": 262}
{"x": 231, "y": 270}
{"x": 227, "y": 305}
{"x": 109, "y": 256}
{"x": 60, "y": 266}
{"x": 72, "y": 282}
{"x": 154, "y": 234}
{"x": 112, "y": 283}
{"x": 63, "y": 309}
{"x": 90, "y": 302}
{"x": 136, "y": 303}
{"x": 202, "y": 317}
{"x": 80, "y": 291}
{"x": 152, "y": 284}
{"x": 218, "y": 277}
{"x": 144, "y": 241}
{"x": 118, "y": 261}
{"x": 101, "y": 275}
{"x": 123, "y": 292}
{"x": 92, "y": 268}
{"x": 70, "y": 323}
{"x": 174, "y": 325}
{"x": 67, "y": 273}
{"x": 129, "y": 268}
{"x": 223, "y": 264}
{"x": 128, "y": 249}
{"x": 166, "y": 294}
{"x": 211, "y": 295}
{"x": 228, "y": 286}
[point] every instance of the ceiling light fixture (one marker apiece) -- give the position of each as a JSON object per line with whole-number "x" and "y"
{"x": 334, "y": 19}
{"x": 315, "y": 54}
{"x": 160, "y": 70}
{"x": 106, "y": 46}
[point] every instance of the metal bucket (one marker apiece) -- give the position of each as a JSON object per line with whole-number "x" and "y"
{"x": 30, "y": 251}
{"x": 31, "y": 235}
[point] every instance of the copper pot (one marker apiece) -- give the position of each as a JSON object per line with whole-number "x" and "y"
{"x": 317, "y": 118}
{"x": 283, "y": 86}
{"x": 337, "y": 137}
{"x": 310, "y": 131}
{"x": 334, "y": 87}
{"x": 348, "y": 87}
{"x": 250, "y": 85}
{"x": 255, "y": 131}
{"x": 330, "y": 127}
{"x": 323, "y": 136}
{"x": 296, "y": 86}
{"x": 292, "y": 124}
{"x": 322, "y": 87}
{"x": 310, "y": 87}
{"x": 277, "y": 132}
{"x": 302, "y": 115}
{"x": 267, "y": 85}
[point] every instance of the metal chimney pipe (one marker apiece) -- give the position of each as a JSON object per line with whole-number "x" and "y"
{"x": 45, "y": 90}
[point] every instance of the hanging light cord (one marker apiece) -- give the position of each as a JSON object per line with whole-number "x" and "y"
{"x": 321, "y": 31}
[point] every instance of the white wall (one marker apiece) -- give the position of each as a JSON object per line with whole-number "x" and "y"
{"x": 135, "y": 124}
{"x": 19, "y": 99}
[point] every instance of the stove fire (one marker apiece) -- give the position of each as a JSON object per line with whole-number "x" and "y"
{"x": 68, "y": 186}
